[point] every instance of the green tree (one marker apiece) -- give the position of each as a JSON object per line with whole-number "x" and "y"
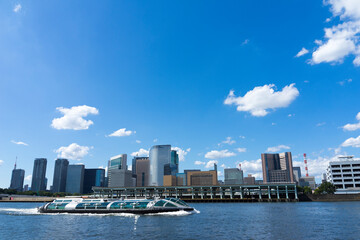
{"x": 325, "y": 188}
{"x": 307, "y": 190}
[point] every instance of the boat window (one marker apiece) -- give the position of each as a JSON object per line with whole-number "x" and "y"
{"x": 169, "y": 204}
{"x": 160, "y": 203}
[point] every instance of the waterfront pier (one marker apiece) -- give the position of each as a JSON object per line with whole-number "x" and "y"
{"x": 218, "y": 193}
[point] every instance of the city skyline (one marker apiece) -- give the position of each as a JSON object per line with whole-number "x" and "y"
{"x": 220, "y": 84}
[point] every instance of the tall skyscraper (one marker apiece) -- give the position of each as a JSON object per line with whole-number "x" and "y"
{"x": 297, "y": 174}
{"x": 159, "y": 156}
{"x": 116, "y": 163}
{"x": 17, "y": 179}
{"x": 94, "y": 177}
{"x": 38, "y": 182}
{"x": 60, "y": 175}
{"x": 233, "y": 176}
{"x": 75, "y": 178}
{"x": 142, "y": 171}
{"x": 277, "y": 167}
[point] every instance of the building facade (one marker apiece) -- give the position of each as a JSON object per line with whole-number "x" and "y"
{"x": 60, "y": 175}
{"x": 121, "y": 178}
{"x": 233, "y": 176}
{"x": 249, "y": 180}
{"x": 297, "y": 174}
{"x": 93, "y": 177}
{"x": 38, "y": 182}
{"x": 116, "y": 163}
{"x": 17, "y": 179}
{"x": 159, "y": 156}
{"x": 202, "y": 178}
{"x": 142, "y": 172}
{"x": 75, "y": 178}
{"x": 277, "y": 167}
{"x": 345, "y": 174}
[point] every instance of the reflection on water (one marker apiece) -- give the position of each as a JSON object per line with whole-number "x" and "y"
{"x": 210, "y": 221}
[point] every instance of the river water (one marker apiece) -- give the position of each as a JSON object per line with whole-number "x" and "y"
{"x": 304, "y": 220}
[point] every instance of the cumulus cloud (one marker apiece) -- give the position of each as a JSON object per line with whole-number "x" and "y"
{"x": 141, "y": 153}
{"x": 342, "y": 83}
{"x": 199, "y": 163}
{"x": 260, "y": 99}
{"x": 182, "y": 153}
{"x": 1, "y": 162}
{"x": 277, "y": 148}
{"x": 241, "y": 150}
{"x": 252, "y": 167}
{"x": 28, "y": 178}
{"x": 228, "y": 140}
{"x": 352, "y": 142}
{"x": 74, "y": 118}
{"x": 138, "y": 141}
{"x": 73, "y": 152}
{"x": 246, "y": 41}
{"x": 223, "y": 166}
{"x": 17, "y": 8}
{"x": 210, "y": 164}
{"x": 122, "y": 132}
{"x": 19, "y": 143}
{"x": 353, "y": 126}
{"x": 302, "y": 52}
{"x": 214, "y": 154}
{"x": 155, "y": 140}
{"x": 342, "y": 39}
{"x": 220, "y": 174}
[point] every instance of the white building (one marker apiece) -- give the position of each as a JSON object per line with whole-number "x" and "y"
{"x": 345, "y": 174}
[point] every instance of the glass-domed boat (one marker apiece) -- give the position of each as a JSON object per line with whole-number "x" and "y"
{"x": 137, "y": 206}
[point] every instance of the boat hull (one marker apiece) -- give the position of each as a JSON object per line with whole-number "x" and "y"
{"x": 107, "y": 211}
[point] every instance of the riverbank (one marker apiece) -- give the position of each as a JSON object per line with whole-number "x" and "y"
{"x": 329, "y": 197}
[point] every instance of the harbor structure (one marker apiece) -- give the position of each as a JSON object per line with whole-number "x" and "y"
{"x": 233, "y": 176}
{"x": 277, "y": 167}
{"x": 93, "y": 177}
{"x": 345, "y": 174}
{"x": 75, "y": 178}
{"x": 17, "y": 179}
{"x": 159, "y": 156}
{"x": 38, "y": 182}
{"x": 60, "y": 175}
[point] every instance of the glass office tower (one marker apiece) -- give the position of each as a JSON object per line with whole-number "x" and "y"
{"x": 93, "y": 178}
{"x": 17, "y": 179}
{"x": 38, "y": 182}
{"x": 159, "y": 156}
{"x": 60, "y": 174}
{"x": 75, "y": 178}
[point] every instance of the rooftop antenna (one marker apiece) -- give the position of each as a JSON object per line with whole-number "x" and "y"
{"x": 15, "y": 162}
{"x": 240, "y": 166}
{"x": 306, "y": 167}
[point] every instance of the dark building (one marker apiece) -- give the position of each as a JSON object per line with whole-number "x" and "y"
{"x": 17, "y": 179}
{"x": 142, "y": 171}
{"x": 249, "y": 180}
{"x": 60, "y": 175}
{"x": 233, "y": 176}
{"x": 277, "y": 167}
{"x": 38, "y": 182}
{"x": 75, "y": 178}
{"x": 94, "y": 177}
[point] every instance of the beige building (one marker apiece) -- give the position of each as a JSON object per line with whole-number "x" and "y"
{"x": 169, "y": 180}
{"x": 202, "y": 178}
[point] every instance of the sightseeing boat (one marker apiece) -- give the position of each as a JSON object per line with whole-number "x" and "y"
{"x": 136, "y": 206}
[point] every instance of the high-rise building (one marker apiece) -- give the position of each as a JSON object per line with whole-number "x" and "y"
{"x": 75, "y": 178}
{"x": 233, "y": 176}
{"x": 26, "y": 187}
{"x": 277, "y": 167}
{"x": 116, "y": 163}
{"x": 121, "y": 178}
{"x": 297, "y": 174}
{"x": 60, "y": 174}
{"x": 159, "y": 156}
{"x": 175, "y": 161}
{"x": 94, "y": 177}
{"x": 142, "y": 171}
{"x": 38, "y": 182}
{"x": 17, "y": 179}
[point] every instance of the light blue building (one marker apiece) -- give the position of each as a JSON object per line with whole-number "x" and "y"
{"x": 159, "y": 156}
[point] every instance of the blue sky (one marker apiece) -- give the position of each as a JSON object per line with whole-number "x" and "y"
{"x": 218, "y": 81}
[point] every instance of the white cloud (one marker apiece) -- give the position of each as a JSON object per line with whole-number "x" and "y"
{"x": 220, "y": 174}
{"x": 19, "y": 143}
{"x": 210, "y": 164}
{"x": 17, "y": 8}
{"x": 138, "y": 141}
{"x": 277, "y": 148}
{"x": 141, "y": 153}
{"x": 343, "y": 39}
{"x": 320, "y": 124}
{"x": 73, "y": 152}
{"x": 74, "y": 118}
{"x": 1, "y": 162}
{"x": 155, "y": 140}
{"x": 223, "y": 166}
{"x": 260, "y": 99}
{"x": 246, "y": 41}
{"x": 28, "y": 178}
{"x": 228, "y": 141}
{"x": 352, "y": 142}
{"x": 354, "y": 126}
{"x": 302, "y": 52}
{"x": 214, "y": 154}
{"x": 342, "y": 83}
{"x": 242, "y": 137}
{"x": 182, "y": 153}
{"x": 253, "y": 167}
{"x": 241, "y": 150}
{"x": 199, "y": 163}
{"x": 122, "y": 132}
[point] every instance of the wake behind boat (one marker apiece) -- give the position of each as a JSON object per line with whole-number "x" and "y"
{"x": 137, "y": 206}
